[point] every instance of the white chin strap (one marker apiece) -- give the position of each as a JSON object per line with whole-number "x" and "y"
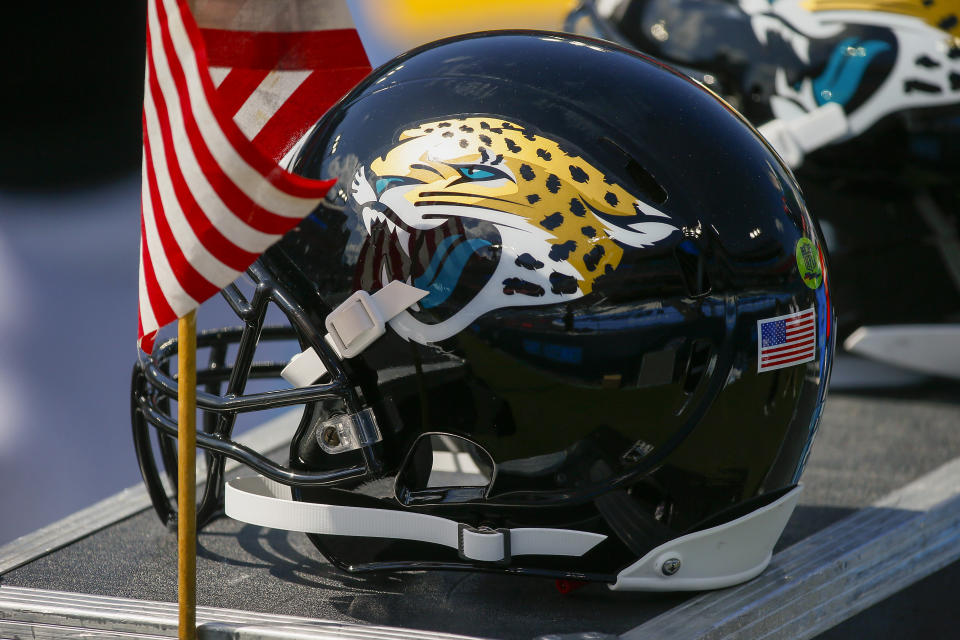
{"x": 795, "y": 138}
{"x": 262, "y": 502}
{"x": 717, "y": 557}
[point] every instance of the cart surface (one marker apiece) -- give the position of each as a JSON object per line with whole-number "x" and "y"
{"x": 880, "y": 511}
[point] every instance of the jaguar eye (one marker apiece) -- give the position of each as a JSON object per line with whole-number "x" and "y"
{"x": 385, "y": 183}
{"x": 480, "y": 172}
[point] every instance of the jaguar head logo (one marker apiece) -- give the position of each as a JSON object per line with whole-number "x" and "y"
{"x": 486, "y": 214}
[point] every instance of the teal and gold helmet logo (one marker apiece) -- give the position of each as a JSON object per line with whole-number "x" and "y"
{"x": 486, "y": 214}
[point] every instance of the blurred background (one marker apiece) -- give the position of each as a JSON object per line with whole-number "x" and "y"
{"x": 69, "y": 237}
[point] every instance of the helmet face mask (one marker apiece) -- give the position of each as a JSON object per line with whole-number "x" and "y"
{"x": 221, "y": 395}
{"x": 580, "y": 381}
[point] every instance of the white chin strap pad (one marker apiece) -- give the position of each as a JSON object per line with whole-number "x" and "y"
{"x": 354, "y": 325}
{"x": 259, "y": 501}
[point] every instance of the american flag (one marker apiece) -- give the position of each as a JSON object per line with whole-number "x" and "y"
{"x": 278, "y": 66}
{"x": 214, "y": 196}
{"x": 787, "y": 340}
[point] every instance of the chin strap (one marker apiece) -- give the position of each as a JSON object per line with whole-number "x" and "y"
{"x": 263, "y": 502}
{"x": 355, "y": 324}
{"x": 795, "y": 138}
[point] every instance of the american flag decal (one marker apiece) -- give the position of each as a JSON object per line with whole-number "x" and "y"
{"x": 786, "y": 340}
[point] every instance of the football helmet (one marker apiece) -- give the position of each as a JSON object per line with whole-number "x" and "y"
{"x": 563, "y": 313}
{"x": 817, "y": 73}
{"x": 862, "y": 98}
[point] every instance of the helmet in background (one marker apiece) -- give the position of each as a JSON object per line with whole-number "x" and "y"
{"x": 863, "y": 99}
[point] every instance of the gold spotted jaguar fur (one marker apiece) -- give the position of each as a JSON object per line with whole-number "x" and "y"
{"x": 552, "y": 190}
{"x": 560, "y": 222}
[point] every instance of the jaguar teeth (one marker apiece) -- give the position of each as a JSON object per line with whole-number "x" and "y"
{"x": 391, "y": 226}
{"x": 368, "y": 217}
{"x": 403, "y": 237}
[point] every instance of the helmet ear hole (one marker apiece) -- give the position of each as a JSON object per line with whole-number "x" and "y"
{"x": 693, "y": 268}
{"x": 444, "y": 468}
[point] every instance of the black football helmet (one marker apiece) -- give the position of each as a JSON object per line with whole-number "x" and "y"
{"x": 863, "y": 100}
{"x": 564, "y": 313}
{"x": 881, "y": 76}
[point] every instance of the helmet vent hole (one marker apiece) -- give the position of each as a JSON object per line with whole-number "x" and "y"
{"x": 646, "y": 182}
{"x": 697, "y": 365}
{"x": 642, "y": 179}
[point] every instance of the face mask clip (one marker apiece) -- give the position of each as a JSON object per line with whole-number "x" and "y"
{"x": 348, "y": 432}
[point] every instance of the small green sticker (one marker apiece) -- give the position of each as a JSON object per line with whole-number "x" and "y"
{"x": 808, "y": 261}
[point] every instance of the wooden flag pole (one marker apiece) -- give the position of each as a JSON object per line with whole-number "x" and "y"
{"x": 187, "y": 475}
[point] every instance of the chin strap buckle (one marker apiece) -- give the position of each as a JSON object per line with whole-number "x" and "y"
{"x": 355, "y": 324}
{"x": 483, "y": 544}
{"x": 352, "y": 327}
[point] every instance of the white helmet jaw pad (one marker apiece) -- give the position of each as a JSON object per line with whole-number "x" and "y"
{"x": 713, "y": 558}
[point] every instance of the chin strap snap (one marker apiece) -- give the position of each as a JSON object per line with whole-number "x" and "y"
{"x": 259, "y": 501}
{"x": 353, "y": 326}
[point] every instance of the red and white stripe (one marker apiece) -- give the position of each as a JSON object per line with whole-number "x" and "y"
{"x": 211, "y": 202}
{"x": 800, "y": 345}
{"x": 276, "y": 85}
